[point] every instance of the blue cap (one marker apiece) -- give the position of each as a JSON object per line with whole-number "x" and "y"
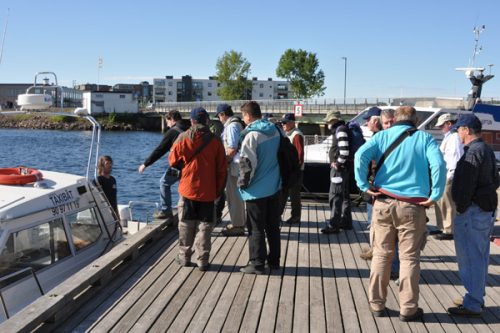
{"x": 288, "y": 117}
{"x": 373, "y": 111}
{"x": 470, "y": 121}
{"x": 200, "y": 115}
{"x": 223, "y": 108}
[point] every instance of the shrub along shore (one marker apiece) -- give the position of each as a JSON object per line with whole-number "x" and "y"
{"x": 109, "y": 122}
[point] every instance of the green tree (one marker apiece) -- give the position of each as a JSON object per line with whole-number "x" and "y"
{"x": 232, "y": 73}
{"x": 300, "y": 68}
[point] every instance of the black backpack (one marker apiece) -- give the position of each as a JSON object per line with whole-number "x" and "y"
{"x": 288, "y": 159}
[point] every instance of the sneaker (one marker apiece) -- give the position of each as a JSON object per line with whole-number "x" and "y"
{"x": 252, "y": 269}
{"x": 377, "y": 313}
{"x": 182, "y": 262}
{"x": 293, "y": 220}
{"x": 460, "y": 302}
{"x": 367, "y": 254}
{"x": 463, "y": 312}
{"x": 435, "y": 232}
{"x": 418, "y": 315}
{"x": 163, "y": 215}
{"x": 234, "y": 231}
{"x": 394, "y": 276}
{"x": 330, "y": 230}
{"x": 443, "y": 236}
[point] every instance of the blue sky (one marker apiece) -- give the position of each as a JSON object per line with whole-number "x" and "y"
{"x": 394, "y": 48}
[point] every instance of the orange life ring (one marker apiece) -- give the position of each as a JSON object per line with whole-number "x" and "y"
{"x": 19, "y": 176}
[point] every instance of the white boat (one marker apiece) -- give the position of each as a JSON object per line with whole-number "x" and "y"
{"x": 52, "y": 224}
{"x": 317, "y": 166}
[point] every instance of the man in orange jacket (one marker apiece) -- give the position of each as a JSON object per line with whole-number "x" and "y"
{"x": 203, "y": 162}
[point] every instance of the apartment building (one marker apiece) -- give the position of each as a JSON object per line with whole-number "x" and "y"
{"x": 187, "y": 89}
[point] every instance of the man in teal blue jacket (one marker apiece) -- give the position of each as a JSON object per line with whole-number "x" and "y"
{"x": 259, "y": 185}
{"x": 411, "y": 179}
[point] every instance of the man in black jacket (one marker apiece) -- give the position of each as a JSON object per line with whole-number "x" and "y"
{"x": 474, "y": 191}
{"x": 169, "y": 181}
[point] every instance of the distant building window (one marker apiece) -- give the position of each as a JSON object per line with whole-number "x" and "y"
{"x": 170, "y": 93}
{"x": 170, "y": 84}
{"x": 99, "y": 95}
{"x": 271, "y": 87}
{"x": 261, "y": 94}
{"x": 218, "y": 84}
{"x": 209, "y": 93}
{"x": 209, "y": 84}
{"x": 122, "y": 96}
{"x": 261, "y": 85}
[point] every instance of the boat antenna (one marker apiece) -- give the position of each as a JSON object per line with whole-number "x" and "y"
{"x": 4, "y": 33}
{"x": 477, "y": 48}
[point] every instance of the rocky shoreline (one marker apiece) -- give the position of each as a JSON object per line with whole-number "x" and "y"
{"x": 111, "y": 122}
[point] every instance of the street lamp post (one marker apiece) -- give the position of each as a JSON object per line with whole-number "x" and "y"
{"x": 345, "y": 81}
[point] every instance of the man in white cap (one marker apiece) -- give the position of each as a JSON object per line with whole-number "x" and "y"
{"x": 452, "y": 149}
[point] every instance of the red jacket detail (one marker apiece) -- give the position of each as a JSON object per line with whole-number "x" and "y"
{"x": 204, "y": 177}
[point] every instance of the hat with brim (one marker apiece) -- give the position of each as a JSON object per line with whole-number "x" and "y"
{"x": 444, "y": 118}
{"x": 332, "y": 115}
{"x": 470, "y": 121}
{"x": 373, "y": 111}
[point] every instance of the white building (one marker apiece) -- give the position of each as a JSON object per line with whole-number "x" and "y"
{"x": 110, "y": 102}
{"x": 187, "y": 89}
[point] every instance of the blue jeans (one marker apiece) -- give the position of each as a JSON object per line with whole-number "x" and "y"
{"x": 169, "y": 194}
{"x": 395, "y": 260}
{"x": 472, "y": 231}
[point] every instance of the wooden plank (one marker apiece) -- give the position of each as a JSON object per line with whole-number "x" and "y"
{"x": 239, "y": 305}
{"x": 334, "y": 320}
{"x": 90, "y": 312}
{"x": 206, "y": 308}
{"x": 284, "y": 319}
{"x": 221, "y": 310}
{"x": 174, "y": 290}
{"x": 254, "y": 313}
{"x": 317, "y": 312}
{"x": 192, "y": 304}
{"x": 301, "y": 308}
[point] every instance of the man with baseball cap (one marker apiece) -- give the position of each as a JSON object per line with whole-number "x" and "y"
{"x": 452, "y": 149}
{"x": 474, "y": 190}
{"x": 230, "y": 139}
{"x": 372, "y": 119}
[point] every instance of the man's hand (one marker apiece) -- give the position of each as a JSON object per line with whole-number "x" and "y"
{"x": 334, "y": 165}
{"x": 427, "y": 203}
{"x": 142, "y": 168}
{"x": 373, "y": 192}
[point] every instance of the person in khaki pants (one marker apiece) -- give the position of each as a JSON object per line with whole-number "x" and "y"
{"x": 401, "y": 187}
{"x": 452, "y": 150}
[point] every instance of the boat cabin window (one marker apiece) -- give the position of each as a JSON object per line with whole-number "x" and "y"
{"x": 85, "y": 228}
{"x": 36, "y": 247}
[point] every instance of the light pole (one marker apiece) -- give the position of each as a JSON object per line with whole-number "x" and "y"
{"x": 345, "y": 81}
{"x": 99, "y": 67}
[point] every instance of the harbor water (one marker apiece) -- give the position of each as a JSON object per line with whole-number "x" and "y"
{"x": 68, "y": 151}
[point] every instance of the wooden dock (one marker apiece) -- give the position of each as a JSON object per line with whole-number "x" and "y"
{"x": 322, "y": 287}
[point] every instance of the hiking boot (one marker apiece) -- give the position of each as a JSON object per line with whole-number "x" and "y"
{"x": 444, "y": 236}
{"x": 418, "y": 315}
{"x": 234, "y": 231}
{"x": 367, "y": 254}
{"x": 330, "y": 230}
{"x": 163, "y": 215}
{"x": 273, "y": 267}
{"x": 253, "y": 269}
{"x": 203, "y": 267}
{"x": 182, "y": 262}
{"x": 461, "y": 311}
{"x": 460, "y": 302}
{"x": 377, "y": 313}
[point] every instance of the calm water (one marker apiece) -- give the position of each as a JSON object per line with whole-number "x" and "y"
{"x": 67, "y": 151}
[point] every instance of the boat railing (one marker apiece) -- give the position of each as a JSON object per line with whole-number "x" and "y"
{"x": 8, "y": 279}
